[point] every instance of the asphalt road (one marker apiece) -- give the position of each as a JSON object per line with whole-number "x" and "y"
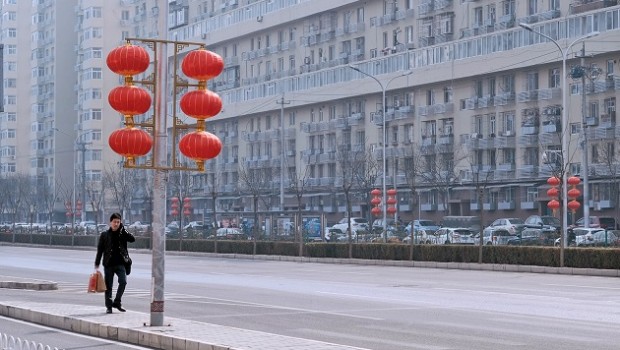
{"x": 371, "y": 307}
{"x": 43, "y": 337}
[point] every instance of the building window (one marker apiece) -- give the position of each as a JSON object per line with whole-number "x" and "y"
{"x": 554, "y": 78}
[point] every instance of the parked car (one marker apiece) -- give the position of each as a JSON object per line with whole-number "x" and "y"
{"x": 357, "y": 224}
{"x": 470, "y": 222}
{"x": 595, "y": 237}
{"x": 421, "y": 236}
{"x": 495, "y": 237}
{"x": 448, "y": 235}
{"x": 549, "y": 224}
{"x": 230, "y": 233}
{"x": 511, "y": 226}
{"x": 534, "y": 236}
{"x": 428, "y": 226}
{"x": 391, "y": 225}
{"x": 606, "y": 222}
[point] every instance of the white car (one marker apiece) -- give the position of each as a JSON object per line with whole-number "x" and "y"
{"x": 448, "y": 235}
{"x": 421, "y": 237}
{"x": 357, "y": 224}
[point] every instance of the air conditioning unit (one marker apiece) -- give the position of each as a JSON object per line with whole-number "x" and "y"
{"x": 476, "y": 135}
{"x": 508, "y": 133}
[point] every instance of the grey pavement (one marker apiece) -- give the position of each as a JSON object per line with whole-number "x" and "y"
{"x": 179, "y": 334}
{"x": 133, "y": 328}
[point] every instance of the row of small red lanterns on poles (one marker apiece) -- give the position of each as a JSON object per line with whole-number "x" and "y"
{"x": 130, "y": 100}
{"x": 572, "y": 194}
{"x": 376, "y": 202}
{"x": 78, "y": 209}
{"x": 187, "y": 206}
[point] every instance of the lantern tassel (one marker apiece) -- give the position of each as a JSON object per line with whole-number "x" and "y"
{"x": 200, "y": 164}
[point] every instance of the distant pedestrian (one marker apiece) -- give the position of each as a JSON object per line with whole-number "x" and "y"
{"x": 112, "y": 247}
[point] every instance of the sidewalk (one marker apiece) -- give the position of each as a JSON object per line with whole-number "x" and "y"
{"x": 132, "y": 327}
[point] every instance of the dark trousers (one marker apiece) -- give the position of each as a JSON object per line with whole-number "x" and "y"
{"x": 109, "y": 273}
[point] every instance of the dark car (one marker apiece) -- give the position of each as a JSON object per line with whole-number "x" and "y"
{"x": 549, "y": 224}
{"x": 606, "y": 222}
{"x": 534, "y": 236}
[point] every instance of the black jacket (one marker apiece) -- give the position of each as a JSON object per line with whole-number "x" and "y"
{"x": 105, "y": 249}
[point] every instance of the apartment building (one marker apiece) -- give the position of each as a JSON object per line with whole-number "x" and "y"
{"x": 472, "y": 100}
{"x": 480, "y": 111}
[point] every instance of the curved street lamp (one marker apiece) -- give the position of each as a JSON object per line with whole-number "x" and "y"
{"x": 383, "y": 116}
{"x": 564, "y": 51}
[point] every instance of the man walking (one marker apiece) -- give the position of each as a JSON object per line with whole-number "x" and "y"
{"x": 112, "y": 247}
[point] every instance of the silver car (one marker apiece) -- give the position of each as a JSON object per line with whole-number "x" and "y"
{"x": 447, "y": 235}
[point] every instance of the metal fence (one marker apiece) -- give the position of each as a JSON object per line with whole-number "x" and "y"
{"x": 9, "y": 342}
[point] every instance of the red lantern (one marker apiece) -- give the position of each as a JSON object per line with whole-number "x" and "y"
{"x": 200, "y": 145}
{"x": 129, "y": 100}
{"x": 375, "y": 201}
{"x": 573, "y": 181}
{"x": 391, "y": 192}
{"x": 553, "y": 192}
{"x": 201, "y": 104}
{"x": 174, "y": 212}
{"x": 187, "y": 212}
{"x": 69, "y": 213}
{"x": 375, "y": 192}
{"x": 573, "y": 205}
{"x": 128, "y": 60}
{"x": 553, "y": 204}
{"x": 376, "y": 211}
{"x": 573, "y": 193}
{"x": 202, "y": 64}
{"x": 553, "y": 181}
{"x": 391, "y": 201}
{"x": 130, "y": 142}
{"x": 391, "y": 210}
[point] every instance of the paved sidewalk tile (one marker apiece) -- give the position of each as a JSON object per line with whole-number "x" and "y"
{"x": 178, "y": 334}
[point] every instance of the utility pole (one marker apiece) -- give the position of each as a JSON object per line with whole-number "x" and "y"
{"x": 82, "y": 145}
{"x": 283, "y": 150}
{"x": 584, "y": 120}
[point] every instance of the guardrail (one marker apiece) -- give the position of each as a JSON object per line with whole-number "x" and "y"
{"x": 9, "y": 342}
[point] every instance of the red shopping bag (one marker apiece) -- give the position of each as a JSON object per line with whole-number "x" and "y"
{"x": 92, "y": 283}
{"x": 96, "y": 283}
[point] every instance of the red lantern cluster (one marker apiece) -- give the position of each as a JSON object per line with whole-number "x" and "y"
{"x": 553, "y": 193}
{"x": 129, "y": 100}
{"x": 174, "y": 206}
{"x": 201, "y": 104}
{"x": 187, "y": 206}
{"x": 391, "y": 201}
{"x": 573, "y": 193}
{"x": 375, "y": 202}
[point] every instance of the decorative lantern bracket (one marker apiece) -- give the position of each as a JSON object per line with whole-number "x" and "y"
{"x": 152, "y": 81}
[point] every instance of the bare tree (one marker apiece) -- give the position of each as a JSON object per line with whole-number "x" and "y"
{"x": 122, "y": 184}
{"x": 609, "y": 157}
{"x": 366, "y": 176}
{"x": 48, "y": 196}
{"x": 439, "y": 172}
{"x": 256, "y": 182}
{"x": 297, "y": 185}
{"x": 95, "y": 193}
{"x": 349, "y": 160}
{"x": 411, "y": 167}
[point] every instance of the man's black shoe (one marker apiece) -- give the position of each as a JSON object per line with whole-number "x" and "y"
{"x": 118, "y": 307}
{"x": 108, "y": 310}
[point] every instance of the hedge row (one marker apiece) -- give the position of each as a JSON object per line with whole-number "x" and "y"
{"x": 596, "y": 258}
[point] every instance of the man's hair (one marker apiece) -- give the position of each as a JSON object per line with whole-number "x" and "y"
{"x": 115, "y": 216}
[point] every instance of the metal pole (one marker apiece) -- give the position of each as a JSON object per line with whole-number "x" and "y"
{"x": 159, "y": 178}
{"x": 564, "y": 52}
{"x": 383, "y": 149}
{"x": 585, "y": 172}
{"x": 83, "y": 186}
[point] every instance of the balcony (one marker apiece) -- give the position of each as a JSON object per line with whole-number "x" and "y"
{"x": 581, "y": 6}
{"x": 428, "y": 207}
{"x": 510, "y": 205}
{"x": 527, "y": 205}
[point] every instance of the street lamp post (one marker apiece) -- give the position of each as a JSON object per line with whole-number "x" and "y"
{"x": 383, "y": 117}
{"x": 564, "y": 141}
